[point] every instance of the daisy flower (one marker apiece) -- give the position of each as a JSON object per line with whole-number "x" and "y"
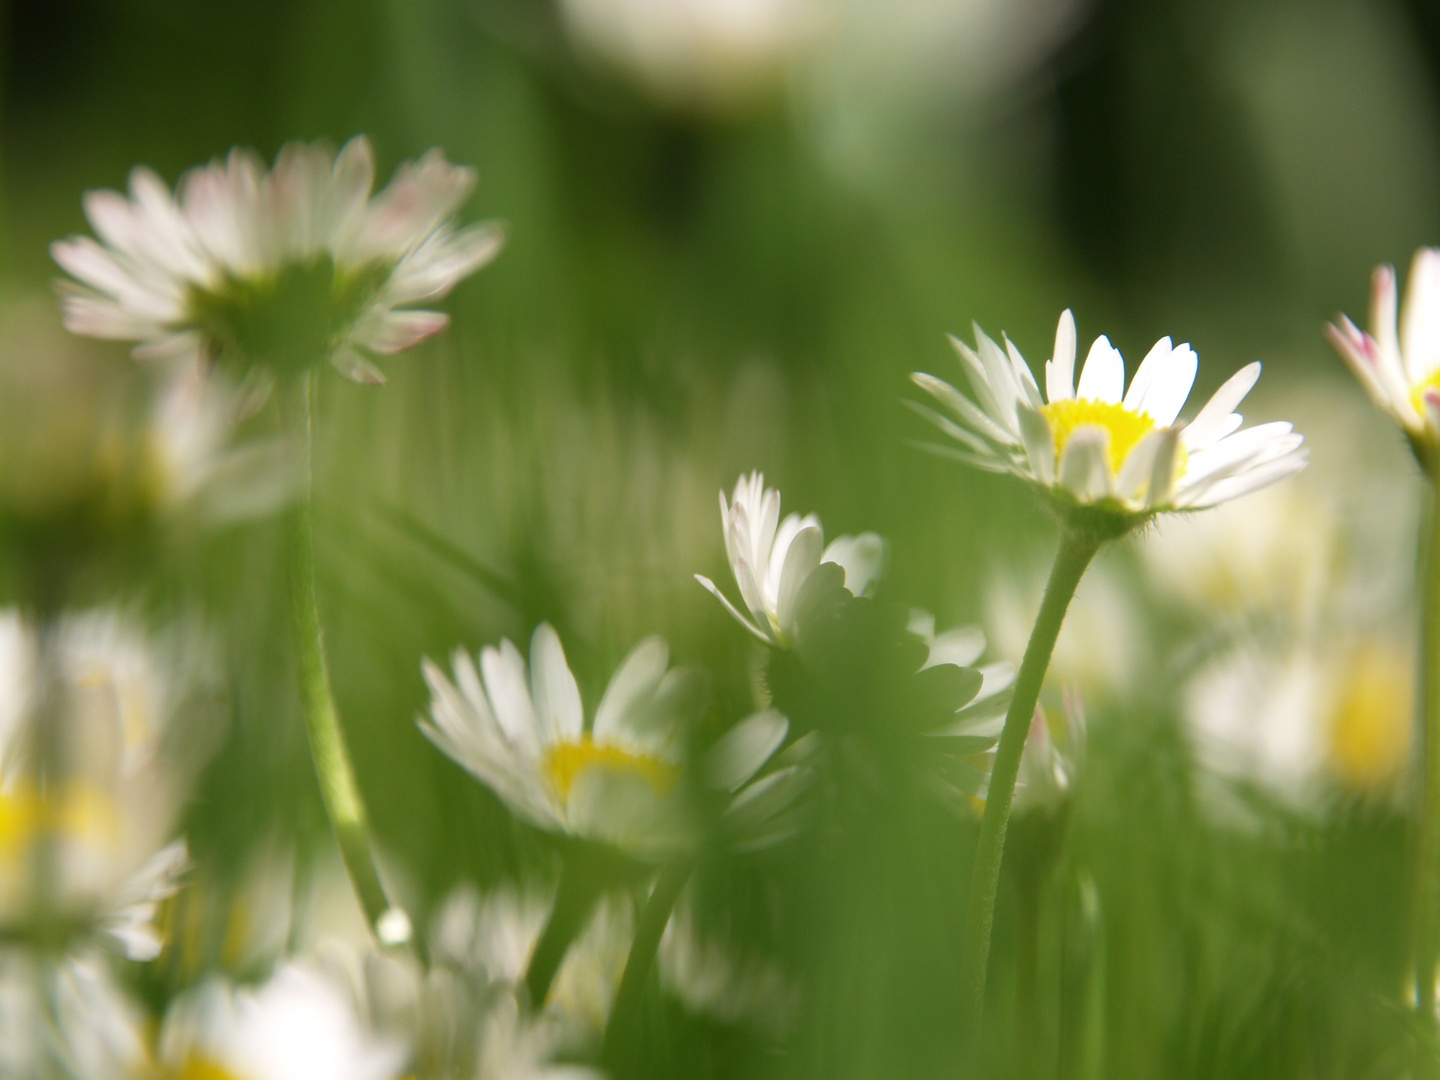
{"x": 280, "y": 268}
{"x": 1398, "y": 362}
{"x": 772, "y": 559}
{"x": 524, "y": 735}
{"x": 1100, "y": 445}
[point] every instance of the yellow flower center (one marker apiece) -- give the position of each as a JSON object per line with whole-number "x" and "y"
{"x": 203, "y": 1068}
{"x": 1370, "y": 725}
{"x": 1417, "y": 395}
{"x": 80, "y": 813}
{"x": 565, "y": 761}
{"x": 1126, "y": 428}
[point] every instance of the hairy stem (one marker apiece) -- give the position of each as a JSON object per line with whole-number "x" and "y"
{"x": 1076, "y": 551}
{"x": 631, "y": 995}
{"x": 341, "y": 794}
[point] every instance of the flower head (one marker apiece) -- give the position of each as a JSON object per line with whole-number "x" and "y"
{"x": 523, "y": 734}
{"x": 280, "y": 268}
{"x": 772, "y": 559}
{"x": 1103, "y": 446}
{"x": 1398, "y": 361}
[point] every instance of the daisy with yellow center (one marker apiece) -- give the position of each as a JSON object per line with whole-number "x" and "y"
{"x": 1398, "y": 361}
{"x": 524, "y": 735}
{"x": 1099, "y": 444}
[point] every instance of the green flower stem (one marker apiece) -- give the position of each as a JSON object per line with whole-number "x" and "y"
{"x": 1425, "y": 902}
{"x": 575, "y": 899}
{"x": 631, "y": 995}
{"x": 338, "y": 789}
{"x": 1076, "y": 550}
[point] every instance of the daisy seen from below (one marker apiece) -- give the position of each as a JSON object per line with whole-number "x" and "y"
{"x": 1398, "y": 361}
{"x": 279, "y": 268}
{"x": 523, "y": 733}
{"x": 772, "y": 559}
{"x": 1097, "y": 444}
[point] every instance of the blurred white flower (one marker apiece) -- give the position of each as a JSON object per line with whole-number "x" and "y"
{"x": 1398, "y": 361}
{"x": 284, "y": 268}
{"x": 964, "y": 748}
{"x": 772, "y": 559}
{"x": 524, "y": 736}
{"x": 1314, "y": 720}
{"x": 495, "y": 936}
{"x": 1097, "y": 444}
{"x": 717, "y": 978}
{"x": 67, "y": 1017}
{"x": 708, "y": 55}
{"x": 304, "y": 1023}
{"x": 111, "y": 814}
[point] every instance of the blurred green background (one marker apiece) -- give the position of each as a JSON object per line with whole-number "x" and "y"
{"x": 732, "y": 261}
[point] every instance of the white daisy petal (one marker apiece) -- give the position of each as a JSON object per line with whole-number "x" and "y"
{"x": 553, "y": 689}
{"x": 508, "y": 689}
{"x": 1039, "y": 445}
{"x": 1085, "y": 464}
{"x": 1103, "y": 376}
{"x": 1203, "y": 429}
{"x": 1060, "y": 370}
{"x": 637, "y": 678}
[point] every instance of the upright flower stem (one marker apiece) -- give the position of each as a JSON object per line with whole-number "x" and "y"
{"x": 1425, "y": 903}
{"x": 338, "y": 789}
{"x": 575, "y": 898}
{"x": 1076, "y": 551}
{"x": 631, "y": 995}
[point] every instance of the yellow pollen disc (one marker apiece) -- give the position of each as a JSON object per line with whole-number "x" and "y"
{"x": 565, "y": 761}
{"x": 81, "y": 813}
{"x": 202, "y": 1068}
{"x": 1370, "y": 725}
{"x": 1417, "y": 395}
{"x": 1126, "y": 428}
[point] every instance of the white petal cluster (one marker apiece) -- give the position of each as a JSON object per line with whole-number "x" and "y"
{"x": 302, "y": 1024}
{"x": 1099, "y": 444}
{"x": 523, "y": 734}
{"x": 232, "y": 231}
{"x": 1398, "y": 361}
{"x": 111, "y": 816}
{"x": 772, "y": 559}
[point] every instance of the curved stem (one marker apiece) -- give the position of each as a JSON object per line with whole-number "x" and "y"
{"x": 631, "y": 995}
{"x": 575, "y": 899}
{"x": 341, "y": 794}
{"x": 1425, "y": 899}
{"x": 1076, "y": 551}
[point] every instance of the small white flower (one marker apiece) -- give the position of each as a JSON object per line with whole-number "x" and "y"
{"x": 772, "y": 559}
{"x": 493, "y": 938}
{"x": 1098, "y": 444}
{"x": 1398, "y": 362}
{"x": 303, "y": 1024}
{"x": 284, "y": 267}
{"x": 523, "y": 734}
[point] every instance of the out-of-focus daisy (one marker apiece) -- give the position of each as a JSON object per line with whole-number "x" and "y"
{"x": 281, "y": 268}
{"x": 1398, "y": 361}
{"x": 494, "y": 937}
{"x": 695, "y": 55}
{"x": 714, "y": 977}
{"x": 962, "y": 750}
{"x": 1097, "y": 444}
{"x": 68, "y": 1017}
{"x": 110, "y": 809}
{"x": 524, "y": 735}
{"x": 304, "y": 1023}
{"x": 772, "y": 559}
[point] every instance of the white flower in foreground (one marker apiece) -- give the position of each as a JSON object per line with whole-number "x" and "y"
{"x": 1398, "y": 361}
{"x": 303, "y": 1024}
{"x": 1098, "y": 444}
{"x": 772, "y": 559}
{"x": 523, "y": 734}
{"x": 283, "y": 268}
